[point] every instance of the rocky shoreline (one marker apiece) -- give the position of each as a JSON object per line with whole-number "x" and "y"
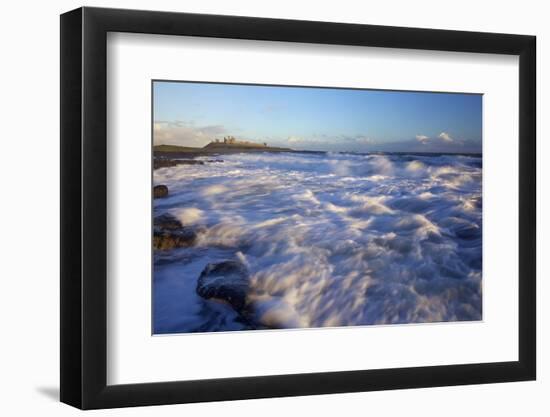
{"x": 169, "y": 233}
{"x": 227, "y": 281}
{"x": 167, "y": 162}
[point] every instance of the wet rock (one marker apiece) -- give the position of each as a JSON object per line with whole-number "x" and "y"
{"x": 167, "y": 221}
{"x": 172, "y": 239}
{"x": 169, "y": 233}
{"x": 168, "y": 162}
{"x": 160, "y": 191}
{"x": 226, "y": 281}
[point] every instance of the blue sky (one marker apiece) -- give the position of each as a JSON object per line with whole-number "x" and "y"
{"x": 330, "y": 119}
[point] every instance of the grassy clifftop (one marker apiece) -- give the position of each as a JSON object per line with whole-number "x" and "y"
{"x": 217, "y": 147}
{"x": 174, "y": 148}
{"x": 241, "y": 146}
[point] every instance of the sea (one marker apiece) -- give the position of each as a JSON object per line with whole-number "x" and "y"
{"x": 328, "y": 240}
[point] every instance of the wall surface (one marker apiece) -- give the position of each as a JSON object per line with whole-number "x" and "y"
{"x": 30, "y": 221}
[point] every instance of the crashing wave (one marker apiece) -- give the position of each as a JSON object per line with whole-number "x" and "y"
{"x": 327, "y": 239}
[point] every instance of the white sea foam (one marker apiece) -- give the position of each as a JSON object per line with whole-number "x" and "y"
{"x": 329, "y": 239}
{"x": 188, "y": 215}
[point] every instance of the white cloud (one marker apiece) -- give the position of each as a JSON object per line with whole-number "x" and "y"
{"x": 185, "y": 134}
{"x": 363, "y": 140}
{"x": 422, "y": 139}
{"x": 295, "y": 139}
{"x": 445, "y": 137}
{"x": 330, "y": 142}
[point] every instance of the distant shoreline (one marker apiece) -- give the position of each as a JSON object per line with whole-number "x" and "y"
{"x": 187, "y": 152}
{"x": 215, "y": 147}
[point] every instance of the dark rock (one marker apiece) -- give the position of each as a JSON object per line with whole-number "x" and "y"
{"x": 165, "y": 162}
{"x": 172, "y": 239}
{"x": 169, "y": 162}
{"x": 167, "y": 222}
{"x": 189, "y": 162}
{"x": 169, "y": 233}
{"x": 226, "y": 281}
{"x": 160, "y": 191}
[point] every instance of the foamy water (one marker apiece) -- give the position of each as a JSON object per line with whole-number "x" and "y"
{"x": 329, "y": 240}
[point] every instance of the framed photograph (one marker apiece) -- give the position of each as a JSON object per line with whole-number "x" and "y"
{"x": 258, "y": 208}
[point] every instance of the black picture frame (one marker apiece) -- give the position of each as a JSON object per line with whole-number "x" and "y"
{"x": 84, "y": 207}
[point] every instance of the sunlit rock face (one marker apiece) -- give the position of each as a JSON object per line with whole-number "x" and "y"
{"x": 169, "y": 233}
{"x": 160, "y": 191}
{"x": 325, "y": 239}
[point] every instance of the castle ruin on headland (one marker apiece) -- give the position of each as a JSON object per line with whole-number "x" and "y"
{"x": 231, "y": 140}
